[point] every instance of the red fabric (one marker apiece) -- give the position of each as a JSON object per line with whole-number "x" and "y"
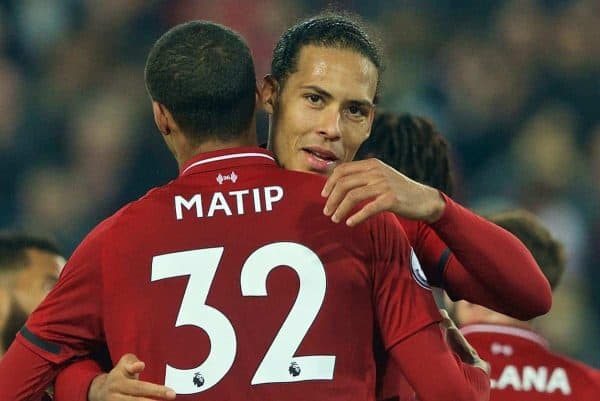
{"x": 73, "y": 382}
{"x": 497, "y": 271}
{"x": 434, "y": 372}
{"x": 524, "y": 369}
{"x": 24, "y": 375}
{"x": 126, "y": 283}
{"x": 488, "y": 265}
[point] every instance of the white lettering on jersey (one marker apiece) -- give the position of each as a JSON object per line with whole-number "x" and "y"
{"x": 180, "y": 202}
{"x": 230, "y": 203}
{"x": 272, "y": 195}
{"x": 256, "y": 197}
{"x": 239, "y": 199}
{"x": 533, "y": 379}
{"x": 559, "y": 381}
{"x": 218, "y": 203}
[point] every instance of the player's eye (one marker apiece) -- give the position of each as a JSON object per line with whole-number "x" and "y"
{"x": 314, "y": 98}
{"x": 356, "y": 112}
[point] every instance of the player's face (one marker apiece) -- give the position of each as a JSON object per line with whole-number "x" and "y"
{"x": 37, "y": 278}
{"x": 324, "y": 111}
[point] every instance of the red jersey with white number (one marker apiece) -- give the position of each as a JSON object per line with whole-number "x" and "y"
{"x": 524, "y": 369}
{"x": 230, "y": 283}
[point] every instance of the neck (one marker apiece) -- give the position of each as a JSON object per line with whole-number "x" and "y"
{"x": 186, "y": 153}
{"x": 500, "y": 319}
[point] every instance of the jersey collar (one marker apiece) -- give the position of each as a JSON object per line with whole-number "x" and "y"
{"x": 505, "y": 330}
{"x": 226, "y": 158}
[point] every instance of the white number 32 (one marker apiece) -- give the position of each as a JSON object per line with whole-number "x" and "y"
{"x": 279, "y": 364}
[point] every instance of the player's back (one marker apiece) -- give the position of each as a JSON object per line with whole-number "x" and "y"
{"x": 524, "y": 368}
{"x": 232, "y": 276}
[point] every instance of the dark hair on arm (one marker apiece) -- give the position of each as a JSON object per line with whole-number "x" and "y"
{"x": 413, "y": 146}
{"x": 203, "y": 73}
{"x": 334, "y": 29}
{"x": 13, "y": 249}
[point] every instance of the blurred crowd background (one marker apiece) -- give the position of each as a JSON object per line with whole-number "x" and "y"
{"x": 514, "y": 85}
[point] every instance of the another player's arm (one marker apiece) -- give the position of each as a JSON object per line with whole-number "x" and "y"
{"x": 408, "y": 320}
{"x": 490, "y": 266}
{"x": 86, "y": 381}
{"x": 425, "y": 352}
{"x": 487, "y": 265}
{"x": 49, "y": 339}
{"x": 24, "y": 375}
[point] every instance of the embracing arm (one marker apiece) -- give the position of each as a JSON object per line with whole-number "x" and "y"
{"x": 424, "y": 353}
{"x": 487, "y": 265}
{"x": 24, "y": 375}
{"x": 490, "y": 266}
{"x": 73, "y": 382}
{"x": 85, "y": 380}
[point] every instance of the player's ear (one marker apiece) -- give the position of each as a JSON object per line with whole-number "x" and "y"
{"x": 161, "y": 118}
{"x": 268, "y": 93}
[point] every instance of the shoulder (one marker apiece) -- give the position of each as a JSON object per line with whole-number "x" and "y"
{"x": 95, "y": 239}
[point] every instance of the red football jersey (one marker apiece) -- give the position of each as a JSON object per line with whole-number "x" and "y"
{"x": 524, "y": 368}
{"x": 229, "y": 282}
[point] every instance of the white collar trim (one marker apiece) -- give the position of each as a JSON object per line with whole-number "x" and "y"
{"x": 511, "y": 331}
{"x": 225, "y": 157}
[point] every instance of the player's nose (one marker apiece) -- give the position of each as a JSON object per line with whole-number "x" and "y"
{"x": 330, "y": 125}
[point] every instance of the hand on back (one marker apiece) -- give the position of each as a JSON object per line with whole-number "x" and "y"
{"x": 122, "y": 384}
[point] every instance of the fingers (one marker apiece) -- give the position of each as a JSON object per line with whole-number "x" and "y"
{"x": 130, "y": 366}
{"x": 343, "y": 188}
{"x": 370, "y": 209}
{"x": 459, "y": 344}
{"x": 123, "y": 397}
{"x": 347, "y": 169}
{"x": 446, "y": 321}
{"x": 146, "y": 389}
{"x": 354, "y": 197}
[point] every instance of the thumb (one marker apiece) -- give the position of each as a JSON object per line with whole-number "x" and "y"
{"x": 131, "y": 366}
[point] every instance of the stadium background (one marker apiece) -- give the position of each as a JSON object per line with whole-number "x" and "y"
{"x": 514, "y": 85}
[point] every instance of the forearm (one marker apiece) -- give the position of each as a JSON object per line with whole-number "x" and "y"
{"x": 492, "y": 267}
{"x": 425, "y": 351}
{"x": 73, "y": 382}
{"x": 24, "y": 375}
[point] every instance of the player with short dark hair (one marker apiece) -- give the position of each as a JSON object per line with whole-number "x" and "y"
{"x": 29, "y": 268}
{"x": 205, "y": 94}
{"x": 201, "y": 279}
{"x": 329, "y": 29}
{"x": 523, "y": 366}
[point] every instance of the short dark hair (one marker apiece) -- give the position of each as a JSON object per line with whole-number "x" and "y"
{"x": 413, "y": 146}
{"x": 329, "y": 29}
{"x": 13, "y": 249}
{"x": 203, "y": 73}
{"x": 547, "y": 251}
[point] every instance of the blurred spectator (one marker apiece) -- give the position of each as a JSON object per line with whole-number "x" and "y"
{"x": 29, "y": 267}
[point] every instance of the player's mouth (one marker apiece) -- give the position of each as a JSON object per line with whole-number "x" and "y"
{"x": 320, "y": 160}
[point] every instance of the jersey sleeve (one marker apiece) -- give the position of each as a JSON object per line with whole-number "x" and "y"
{"x": 488, "y": 265}
{"x": 403, "y": 304}
{"x": 434, "y": 372}
{"x": 24, "y": 375}
{"x": 68, "y": 323}
{"x": 73, "y": 382}
{"x": 432, "y": 252}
